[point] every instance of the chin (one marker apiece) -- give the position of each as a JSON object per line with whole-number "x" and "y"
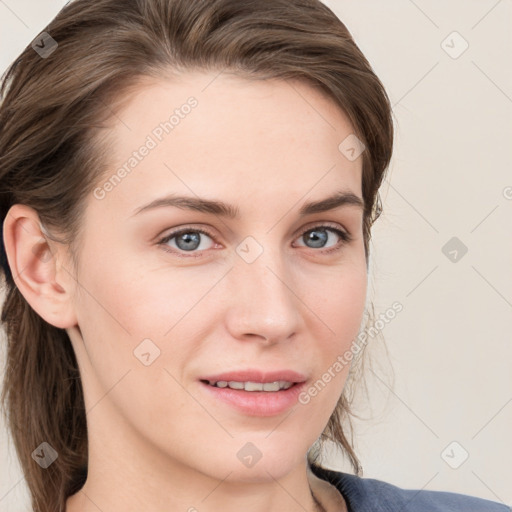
{"x": 262, "y": 460}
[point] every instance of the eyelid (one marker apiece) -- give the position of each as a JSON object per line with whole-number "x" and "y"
{"x": 319, "y": 224}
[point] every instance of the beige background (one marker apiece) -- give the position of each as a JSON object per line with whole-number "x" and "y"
{"x": 451, "y": 176}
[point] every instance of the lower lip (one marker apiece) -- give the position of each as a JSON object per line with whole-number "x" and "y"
{"x": 257, "y": 403}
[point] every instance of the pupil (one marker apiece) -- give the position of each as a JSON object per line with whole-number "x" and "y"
{"x": 188, "y": 238}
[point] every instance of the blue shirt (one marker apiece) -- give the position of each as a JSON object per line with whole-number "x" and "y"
{"x": 370, "y": 495}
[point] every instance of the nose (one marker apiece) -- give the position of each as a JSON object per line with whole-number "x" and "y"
{"x": 264, "y": 300}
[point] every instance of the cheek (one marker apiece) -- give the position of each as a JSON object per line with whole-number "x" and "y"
{"x": 339, "y": 301}
{"x": 139, "y": 300}
{"x": 122, "y": 306}
{"x": 123, "y": 319}
{"x": 340, "y": 306}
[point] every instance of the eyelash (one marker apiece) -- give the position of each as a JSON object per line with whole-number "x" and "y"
{"x": 345, "y": 237}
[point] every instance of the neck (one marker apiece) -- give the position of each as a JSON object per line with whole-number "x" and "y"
{"x": 319, "y": 506}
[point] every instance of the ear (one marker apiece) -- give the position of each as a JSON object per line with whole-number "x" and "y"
{"x": 38, "y": 267}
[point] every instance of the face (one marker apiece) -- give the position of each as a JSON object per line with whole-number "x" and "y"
{"x": 171, "y": 296}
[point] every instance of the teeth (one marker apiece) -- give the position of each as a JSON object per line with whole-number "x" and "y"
{"x": 253, "y": 386}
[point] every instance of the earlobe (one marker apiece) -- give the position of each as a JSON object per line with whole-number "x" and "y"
{"x": 35, "y": 262}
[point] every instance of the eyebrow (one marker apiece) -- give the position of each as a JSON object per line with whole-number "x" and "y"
{"x": 337, "y": 200}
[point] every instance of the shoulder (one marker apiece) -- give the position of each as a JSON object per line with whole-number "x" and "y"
{"x": 365, "y": 494}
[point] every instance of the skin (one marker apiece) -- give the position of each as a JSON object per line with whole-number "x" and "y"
{"x": 157, "y": 442}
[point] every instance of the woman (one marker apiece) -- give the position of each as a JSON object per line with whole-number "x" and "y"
{"x": 188, "y": 192}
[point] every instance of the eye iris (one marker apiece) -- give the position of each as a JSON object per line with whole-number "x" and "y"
{"x": 318, "y": 241}
{"x": 188, "y": 237}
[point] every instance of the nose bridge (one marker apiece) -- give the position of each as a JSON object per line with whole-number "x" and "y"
{"x": 263, "y": 300}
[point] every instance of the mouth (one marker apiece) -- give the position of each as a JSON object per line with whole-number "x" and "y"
{"x": 255, "y": 393}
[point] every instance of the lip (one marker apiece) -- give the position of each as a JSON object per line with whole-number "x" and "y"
{"x": 254, "y": 375}
{"x": 256, "y": 403}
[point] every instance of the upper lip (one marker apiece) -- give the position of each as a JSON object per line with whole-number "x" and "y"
{"x": 254, "y": 375}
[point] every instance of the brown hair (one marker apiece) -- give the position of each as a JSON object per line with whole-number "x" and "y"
{"x": 52, "y": 157}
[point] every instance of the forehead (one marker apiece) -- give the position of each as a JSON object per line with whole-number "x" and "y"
{"x": 222, "y": 136}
